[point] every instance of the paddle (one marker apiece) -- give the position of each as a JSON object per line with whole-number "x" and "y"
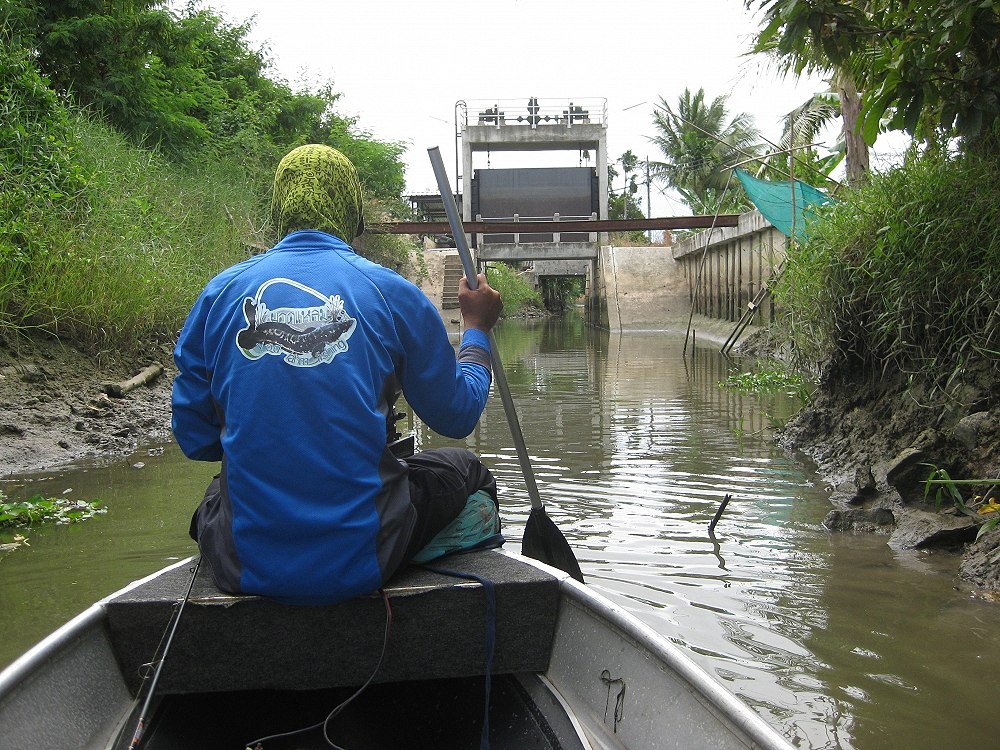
{"x": 542, "y": 539}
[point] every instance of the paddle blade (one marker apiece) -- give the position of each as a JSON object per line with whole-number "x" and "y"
{"x": 544, "y": 542}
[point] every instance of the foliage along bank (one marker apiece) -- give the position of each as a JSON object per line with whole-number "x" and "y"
{"x": 894, "y": 295}
{"x": 893, "y": 298}
{"x": 137, "y": 147}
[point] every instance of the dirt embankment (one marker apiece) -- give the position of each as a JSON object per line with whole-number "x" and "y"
{"x": 877, "y": 438}
{"x": 55, "y": 406}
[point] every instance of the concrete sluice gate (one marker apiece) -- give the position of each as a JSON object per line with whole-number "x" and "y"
{"x": 719, "y": 274}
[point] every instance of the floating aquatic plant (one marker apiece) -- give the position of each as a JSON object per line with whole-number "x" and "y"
{"x": 40, "y": 509}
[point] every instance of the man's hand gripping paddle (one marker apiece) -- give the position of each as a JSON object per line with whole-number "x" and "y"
{"x": 542, "y": 539}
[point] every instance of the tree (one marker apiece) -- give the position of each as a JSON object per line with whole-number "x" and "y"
{"x": 700, "y": 144}
{"x": 797, "y": 156}
{"x": 190, "y": 82}
{"x": 379, "y": 164}
{"x": 813, "y": 60}
{"x": 125, "y": 59}
{"x": 623, "y": 202}
{"x": 921, "y": 65}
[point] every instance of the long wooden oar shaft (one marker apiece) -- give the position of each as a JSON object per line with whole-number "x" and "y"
{"x": 499, "y": 376}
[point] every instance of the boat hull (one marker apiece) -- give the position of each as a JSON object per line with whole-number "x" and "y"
{"x": 570, "y": 670}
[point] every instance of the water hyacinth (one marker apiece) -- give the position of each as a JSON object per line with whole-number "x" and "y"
{"x": 39, "y": 509}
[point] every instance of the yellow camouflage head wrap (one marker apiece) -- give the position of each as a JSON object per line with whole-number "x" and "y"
{"x": 317, "y": 187}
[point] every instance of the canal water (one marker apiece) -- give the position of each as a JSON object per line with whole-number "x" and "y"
{"x": 836, "y": 640}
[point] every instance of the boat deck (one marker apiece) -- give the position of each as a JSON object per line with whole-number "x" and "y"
{"x": 419, "y": 715}
{"x": 244, "y": 643}
{"x": 244, "y": 668}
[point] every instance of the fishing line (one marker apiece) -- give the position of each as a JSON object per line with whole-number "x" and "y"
{"x": 258, "y": 744}
{"x": 169, "y": 631}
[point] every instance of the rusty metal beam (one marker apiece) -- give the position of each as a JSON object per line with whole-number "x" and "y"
{"x": 547, "y": 227}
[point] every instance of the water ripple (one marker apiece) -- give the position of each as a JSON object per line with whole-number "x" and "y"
{"x": 836, "y": 640}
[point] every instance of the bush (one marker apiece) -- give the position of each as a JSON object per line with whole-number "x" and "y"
{"x": 902, "y": 274}
{"x": 518, "y": 295}
{"x": 41, "y": 173}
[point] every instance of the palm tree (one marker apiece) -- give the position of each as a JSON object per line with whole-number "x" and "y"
{"x": 796, "y": 154}
{"x": 812, "y": 59}
{"x": 700, "y": 143}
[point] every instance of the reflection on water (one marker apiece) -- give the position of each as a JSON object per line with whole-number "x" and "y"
{"x": 837, "y": 640}
{"x": 67, "y": 568}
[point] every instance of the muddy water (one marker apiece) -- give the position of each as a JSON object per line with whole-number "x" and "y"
{"x": 836, "y": 640}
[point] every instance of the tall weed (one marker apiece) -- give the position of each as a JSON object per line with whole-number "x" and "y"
{"x": 902, "y": 274}
{"x": 127, "y": 269}
{"x": 146, "y": 234}
{"x": 40, "y": 176}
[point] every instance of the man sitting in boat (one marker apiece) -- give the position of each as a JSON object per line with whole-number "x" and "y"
{"x": 289, "y": 366}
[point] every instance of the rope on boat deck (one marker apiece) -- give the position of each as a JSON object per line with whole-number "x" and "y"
{"x": 491, "y": 640}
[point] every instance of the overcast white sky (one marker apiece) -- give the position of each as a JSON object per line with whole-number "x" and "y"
{"x": 401, "y": 65}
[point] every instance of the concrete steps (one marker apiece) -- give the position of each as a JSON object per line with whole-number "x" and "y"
{"x": 453, "y": 273}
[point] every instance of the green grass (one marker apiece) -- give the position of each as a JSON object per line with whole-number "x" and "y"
{"x": 902, "y": 274}
{"x": 125, "y": 264}
{"x": 121, "y": 266}
{"x": 518, "y": 295}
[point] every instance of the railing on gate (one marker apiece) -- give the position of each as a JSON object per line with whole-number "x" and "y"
{"x": 533, "y": 112}
{"x": 518, "y": 238}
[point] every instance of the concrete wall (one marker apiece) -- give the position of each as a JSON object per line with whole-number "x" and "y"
{"x": 724, "y": 268}
{"x": 640, "y": 288}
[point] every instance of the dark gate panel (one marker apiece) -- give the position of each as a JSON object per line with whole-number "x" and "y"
{"x": 540, "y": 192}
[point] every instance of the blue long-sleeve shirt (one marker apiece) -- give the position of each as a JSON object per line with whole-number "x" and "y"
{"x": 289, "y": 365}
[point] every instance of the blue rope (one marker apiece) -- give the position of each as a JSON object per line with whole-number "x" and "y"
{"x": 491, "y": 640}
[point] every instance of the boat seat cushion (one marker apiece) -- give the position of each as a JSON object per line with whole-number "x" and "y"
{"x": 438, "y": 630}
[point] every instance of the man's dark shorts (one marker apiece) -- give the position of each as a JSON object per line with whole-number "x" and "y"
{"x": 441, "y": 480}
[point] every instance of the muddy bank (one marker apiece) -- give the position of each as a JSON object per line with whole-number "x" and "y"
{"x": 55, "y": 406}
{"x": 872, "y": 438}
{"x": 877, "y": 437}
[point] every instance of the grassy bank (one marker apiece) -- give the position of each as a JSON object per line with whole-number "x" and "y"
{"x": 119, "y": 263}
{"x": 106, "y": 240}
{"x": 901, "y": 276}
{"x": 124, "y": 264}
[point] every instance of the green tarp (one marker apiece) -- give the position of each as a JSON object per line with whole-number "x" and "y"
{"x": 774, "y": 201}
